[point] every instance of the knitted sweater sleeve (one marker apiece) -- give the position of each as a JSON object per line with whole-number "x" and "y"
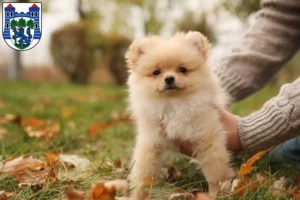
{"x": 264, "y": 49}
{"x": 277, "y": 121}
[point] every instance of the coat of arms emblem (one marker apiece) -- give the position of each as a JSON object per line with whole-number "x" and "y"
{"x": 21, "y": 24}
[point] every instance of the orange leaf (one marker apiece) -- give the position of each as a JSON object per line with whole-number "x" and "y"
{"x": 118, "y": 163}
{"x": 33, "y": 122}
{"x": 73, "y": 194}
{"x": 37, "y": 128}
{"x": 149, "y": 181}
{"x": 247, "y": 168}
{"x": 100, "y": 192}
{"x": 52, "y": 159}
{"x": 94, "y": 128}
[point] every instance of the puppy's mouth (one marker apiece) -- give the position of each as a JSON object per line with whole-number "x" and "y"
{"x": 171, "y": 87}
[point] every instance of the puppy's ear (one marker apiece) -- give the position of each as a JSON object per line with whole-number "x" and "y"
{"x": 138, "y": 48}
{"x": 199, "y": 41}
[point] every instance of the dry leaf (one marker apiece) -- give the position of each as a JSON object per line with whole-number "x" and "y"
{"x": 247, "y": 168}
{"x": 118, "y": 163}
{"x": 100, "y": 192}
{"x": 149, "y": 181}
{"x": 120, "y": 185}
{"x": 245, "y": 184}
{"x": 74, "y": 161}
{"x": 294, "y": 192}
{"x": 26, "y": 170}
{"x": 10, "y": 118}
{"x": 51, "y": 158}
{"x": 6, "y": 195}
{"x": 225, "y": 186}
{"x": 95, "y": 128}
{"x": 171, "y": 174}
{"x": 178, "y": 196}
{"x": 37, "y": 128}
{"x": 73, "y": 194}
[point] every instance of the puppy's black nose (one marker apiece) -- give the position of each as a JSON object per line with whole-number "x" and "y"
{"x": 169, "y": 79}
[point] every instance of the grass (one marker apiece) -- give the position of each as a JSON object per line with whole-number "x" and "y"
{"x": 96, "y": 103}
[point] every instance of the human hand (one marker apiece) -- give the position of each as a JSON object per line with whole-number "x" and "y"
{"x": 229, "y": 122}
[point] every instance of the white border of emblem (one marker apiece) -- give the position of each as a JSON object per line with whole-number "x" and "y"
{"x": 27, "y": 5}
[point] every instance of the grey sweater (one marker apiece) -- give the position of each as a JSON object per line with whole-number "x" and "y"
{"x": 264, "y": 49}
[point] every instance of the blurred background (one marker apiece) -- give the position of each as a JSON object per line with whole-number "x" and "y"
{"x": 85, "y": 40}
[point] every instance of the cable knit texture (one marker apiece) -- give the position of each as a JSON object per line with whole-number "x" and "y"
{"x": 277, "y": 121}
{"x": 264, "y": 49}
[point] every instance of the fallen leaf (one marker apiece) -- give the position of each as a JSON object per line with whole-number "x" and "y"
{"x": 51, "y": 159}
{"x": 294, "y": 192}
{"x": 247, "y": 168}
{"x": 7, "y": 118}
{"x": 6, "y": 195}
{"x": 170, "y": 174}
{"x": 73, "y": 194}
{"x": 96, "y": 127}
{"x": 100, "y": 192}
{"x": 26, "y": 170}
{"x": 278, "y": 184}
{"x": 178, "y": 196}
{"x": 245, "y": 184}
{"x": 118, "y": 162}
{"x": 38, "y": 128}
{"x": 149, "y": 181}
{"x": 120, "y": 185}
{"x": 74, "y": 161}
{"x": 225, "y": 186}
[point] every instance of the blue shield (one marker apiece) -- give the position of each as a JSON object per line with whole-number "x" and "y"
{"x": 22, "y": 24}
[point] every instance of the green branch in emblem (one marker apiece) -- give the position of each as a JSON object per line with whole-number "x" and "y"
{"x": 13, "y": 24}
{"x": 22, "y": 23}
{"x": 30, "y": 23}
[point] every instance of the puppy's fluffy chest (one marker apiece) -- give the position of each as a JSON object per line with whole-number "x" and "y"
{"x": 182, "y": 118}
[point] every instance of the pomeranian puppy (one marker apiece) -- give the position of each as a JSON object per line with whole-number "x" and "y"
{"x": 172, "y": 94}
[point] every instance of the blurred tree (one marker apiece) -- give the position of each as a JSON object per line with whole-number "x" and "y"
{"x": 190, "y": 23}
{"x": 242, "y": 8}
{"x": 113, "y": 47}
{"x": 14, "y": 70}
{"x": 70, "y": 53}
{"x": 151, "y": 23}
{"x": 72, "y": 46}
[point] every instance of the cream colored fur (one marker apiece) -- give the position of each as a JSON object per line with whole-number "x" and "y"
{"x": 186, "y": 114}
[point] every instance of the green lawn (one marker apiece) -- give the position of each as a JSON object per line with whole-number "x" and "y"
{"x": 98, "y": 104}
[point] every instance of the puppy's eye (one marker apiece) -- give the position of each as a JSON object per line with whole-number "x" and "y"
{"x": 182, "y": 70}
{"x": 156, "y": 72}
